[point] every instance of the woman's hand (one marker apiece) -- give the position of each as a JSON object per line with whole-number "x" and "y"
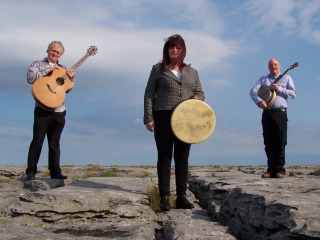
{"x": 262, "y": 104}
{"x": 150, "y": 126}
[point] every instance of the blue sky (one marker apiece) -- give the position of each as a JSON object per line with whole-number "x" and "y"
{"x": 228, "y": 42}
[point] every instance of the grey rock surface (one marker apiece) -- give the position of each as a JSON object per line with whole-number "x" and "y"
{"x": 95, "y": 208}
{"x": 257, "y": 208}
{"x": 230, "y": 203}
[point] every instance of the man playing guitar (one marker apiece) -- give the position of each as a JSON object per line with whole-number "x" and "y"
{"x": 47, "y": 121}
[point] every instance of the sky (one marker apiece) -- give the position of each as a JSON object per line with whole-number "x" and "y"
{"x": 228, "y": 42}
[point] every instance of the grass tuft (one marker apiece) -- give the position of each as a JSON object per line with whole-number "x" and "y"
{"x": 5, "y": 180}
{"x": 108, "y": 174}
{"x": 154, "y": 198}
{"x": 46, "y": 173}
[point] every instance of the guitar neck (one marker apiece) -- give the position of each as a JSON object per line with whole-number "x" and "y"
{"x": 77, "y": 64}
{"x": 81, "y": 60}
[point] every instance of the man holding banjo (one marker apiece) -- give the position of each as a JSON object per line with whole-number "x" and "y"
{"x": 271, "y": 93}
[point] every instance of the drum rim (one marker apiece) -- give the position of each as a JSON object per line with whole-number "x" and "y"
{"x": 210, "y": 131}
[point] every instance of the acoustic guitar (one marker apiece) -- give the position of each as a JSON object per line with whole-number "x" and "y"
{"x": 269, "y": 96}
{"x": 50, "y": 90}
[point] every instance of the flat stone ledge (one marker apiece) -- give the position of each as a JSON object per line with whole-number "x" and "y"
{"x": 96, "y": 208}
{"x": 257, "y": 208}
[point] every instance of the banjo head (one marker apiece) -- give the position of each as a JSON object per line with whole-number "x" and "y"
{"x": 267, "y": 95}
{"x": 193, "y": 121}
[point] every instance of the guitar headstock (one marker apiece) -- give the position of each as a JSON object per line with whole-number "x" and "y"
{"x": 294, "y": 65}
{"x": 92, "y": 50}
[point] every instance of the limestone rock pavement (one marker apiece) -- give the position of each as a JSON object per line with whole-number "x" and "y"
{"x": 95, "y": 208}
{"x": 231, "y": 202}
{"x": 257, "y": 208}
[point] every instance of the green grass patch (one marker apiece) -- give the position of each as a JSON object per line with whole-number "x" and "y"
{"x": 5, "y": 180}
{"x": 94, "y": 168}
{"x": 216, "y": 167}
{"x": 108, "y": 174}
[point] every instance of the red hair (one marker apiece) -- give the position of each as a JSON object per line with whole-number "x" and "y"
{"x": 174, "y": 40}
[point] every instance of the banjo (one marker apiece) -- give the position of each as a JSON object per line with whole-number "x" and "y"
{"x": 269, "y": 96}
{"x": 193, "y": 121}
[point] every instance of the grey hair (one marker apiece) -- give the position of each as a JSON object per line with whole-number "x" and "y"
{"x": 56, "y": 43}
{"x": 273, "y": 59}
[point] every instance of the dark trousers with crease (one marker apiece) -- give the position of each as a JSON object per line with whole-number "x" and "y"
{"x": 48, "y": 124}
{"x": 274, "y": 126}
{"x": 169, "y": 145}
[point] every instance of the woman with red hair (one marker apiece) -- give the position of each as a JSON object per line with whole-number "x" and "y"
{"x": 171, "y": 82}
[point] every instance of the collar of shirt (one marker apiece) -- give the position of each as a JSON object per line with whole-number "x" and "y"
{"x": 50, "y": 63}
{"x": 274, "y": 76}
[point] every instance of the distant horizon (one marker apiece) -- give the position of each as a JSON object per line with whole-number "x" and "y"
{"x": 154, "y": 166}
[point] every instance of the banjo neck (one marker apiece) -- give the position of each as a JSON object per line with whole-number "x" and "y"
{"x": 268, "y": 95}
{"x": 281, "y": 75}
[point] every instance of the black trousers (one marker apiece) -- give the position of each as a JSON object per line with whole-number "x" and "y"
{"x": 275, "y": 139}
{"x": 48, "y": 124}
{"x": 167, "y": 145}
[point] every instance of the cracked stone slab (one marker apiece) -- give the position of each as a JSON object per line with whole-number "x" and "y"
{"x": 257, "y": 208}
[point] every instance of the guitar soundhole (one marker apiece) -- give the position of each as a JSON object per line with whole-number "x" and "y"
{"x": 60, "y": 81}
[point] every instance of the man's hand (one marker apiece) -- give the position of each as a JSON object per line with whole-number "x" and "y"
{"x": 71, "y": 73}
{"x": 262, "y": 104}
{"x": 274, "y": 87}
{"x": 50, "y": 69}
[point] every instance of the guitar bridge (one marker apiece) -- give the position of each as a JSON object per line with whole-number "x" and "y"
{"x": 51, "y": 89}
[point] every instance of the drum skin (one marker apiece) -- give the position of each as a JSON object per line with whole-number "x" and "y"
{"x": 193, "y": 121}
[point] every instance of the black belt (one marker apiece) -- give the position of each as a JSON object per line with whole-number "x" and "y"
{"x": 276, "y": 109}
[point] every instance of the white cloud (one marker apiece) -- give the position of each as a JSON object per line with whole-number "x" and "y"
{"x": 13, "y": 132}
{"x": 310, "y": 21}
{"x": 201, "y": 15}
{"x": 291, "y": 18}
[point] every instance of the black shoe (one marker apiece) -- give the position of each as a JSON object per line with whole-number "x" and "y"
{"x": 58, "y": 176}
{"x": 183, "y": 203}
{"x": 31, "y": 176}
{"x": 165, "y": 204}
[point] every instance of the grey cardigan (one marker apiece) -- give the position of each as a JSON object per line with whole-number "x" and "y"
{"x": 164, "y": 91}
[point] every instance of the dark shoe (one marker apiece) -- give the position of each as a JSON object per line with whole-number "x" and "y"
{"x": 279, "y": 175}
{"x": 165, "y": 204}
{"x": 183, "y": 203}
{"x": 58, "y": 176}
{"x": 266, "y": 175}
{"x": 31, "y": 176}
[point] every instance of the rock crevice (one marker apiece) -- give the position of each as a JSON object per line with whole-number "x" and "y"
{"x": 230, "y": 203}
{"x": 255, "y": 208}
